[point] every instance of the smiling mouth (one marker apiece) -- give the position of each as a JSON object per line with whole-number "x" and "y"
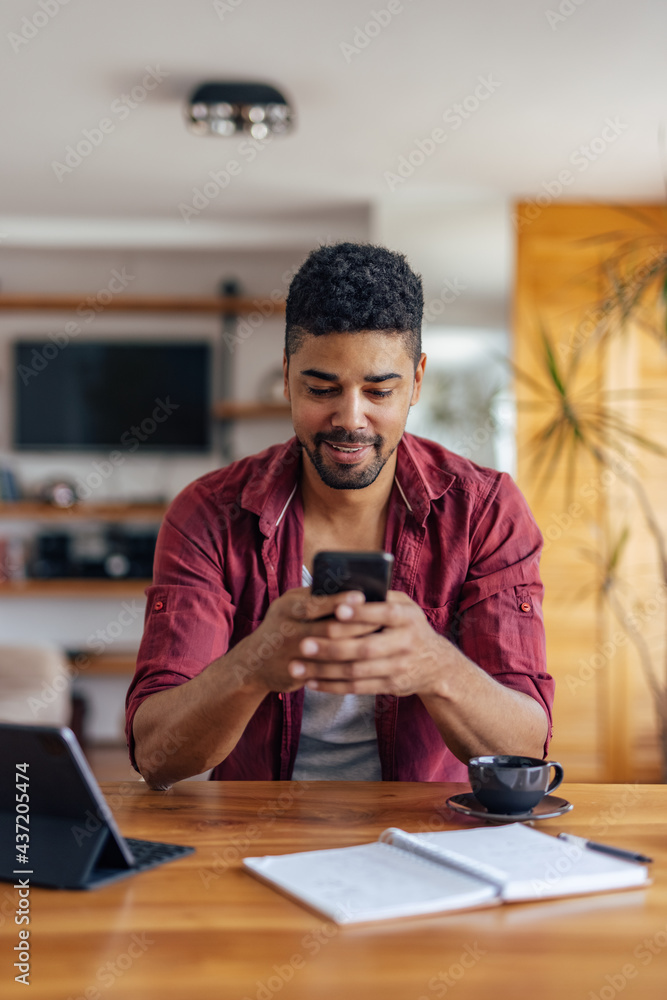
{"x": 347, "y": 449}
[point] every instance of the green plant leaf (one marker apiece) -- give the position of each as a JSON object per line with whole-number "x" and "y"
{"x": 617, "y": 550}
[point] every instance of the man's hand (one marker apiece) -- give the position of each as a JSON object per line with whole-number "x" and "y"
{"x": 473, "y": 712}
{"x": 405, "y": 657}
{"x": 264, "y": 658}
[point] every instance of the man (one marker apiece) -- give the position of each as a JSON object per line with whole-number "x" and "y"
{"x": 242, "y": 670}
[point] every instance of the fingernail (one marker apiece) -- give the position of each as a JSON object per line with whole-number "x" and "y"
{"x": 355, "y": 597}
{"x": 297, "y": 669}
{"x": 345, "y": 611}
{"x": 309, "y": 646}
{"x": 311, "y": 684}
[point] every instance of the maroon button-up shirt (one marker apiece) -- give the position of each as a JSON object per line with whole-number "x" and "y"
{"x": 466, "y": 550}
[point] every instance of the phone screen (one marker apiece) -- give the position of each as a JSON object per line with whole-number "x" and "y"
{"x": 370, "y": 572}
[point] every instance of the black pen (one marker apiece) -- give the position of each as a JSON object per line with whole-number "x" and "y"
{"x": 616, "y": 852}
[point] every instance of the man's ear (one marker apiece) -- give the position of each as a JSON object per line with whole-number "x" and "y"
{"x": 285, "y": 377}
{"x": 419, "y": 375}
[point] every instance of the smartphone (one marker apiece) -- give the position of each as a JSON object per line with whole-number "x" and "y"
{"x": 369, "y": 572}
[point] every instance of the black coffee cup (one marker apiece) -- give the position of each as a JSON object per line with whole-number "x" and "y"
{"x": 507, "y": 784}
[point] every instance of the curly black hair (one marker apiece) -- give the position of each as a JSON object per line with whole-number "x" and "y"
{"x": 349, "y": 287}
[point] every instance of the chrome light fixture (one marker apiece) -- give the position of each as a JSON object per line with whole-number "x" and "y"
{"x": 228, "y": 108}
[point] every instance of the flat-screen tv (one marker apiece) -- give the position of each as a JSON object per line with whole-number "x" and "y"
{"x": 111, "y": 395}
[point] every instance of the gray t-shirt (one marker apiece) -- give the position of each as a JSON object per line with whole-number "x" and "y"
{"x": 338, "y": 741}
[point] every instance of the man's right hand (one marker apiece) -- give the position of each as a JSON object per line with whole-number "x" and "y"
{"x": 212, "y": 710}
{"x": 264, "y": 657}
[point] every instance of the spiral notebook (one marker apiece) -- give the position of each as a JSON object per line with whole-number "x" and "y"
{"x": 404, "y": 874}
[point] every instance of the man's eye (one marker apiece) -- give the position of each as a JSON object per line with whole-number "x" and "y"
{"x": 377, "y": 393}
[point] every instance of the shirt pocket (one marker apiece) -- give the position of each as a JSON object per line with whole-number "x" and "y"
{"x": 443, "y": 620}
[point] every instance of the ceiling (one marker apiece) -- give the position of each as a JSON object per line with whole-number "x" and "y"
{"x": 547, "y": 84}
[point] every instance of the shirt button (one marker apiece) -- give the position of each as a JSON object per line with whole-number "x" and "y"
{"x": 526, "y": 607}
{"x": 159, "y": 605}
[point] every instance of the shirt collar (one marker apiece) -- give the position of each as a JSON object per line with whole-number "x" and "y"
{"x": 270, "y": 493}
{"x": 418, "y": 478}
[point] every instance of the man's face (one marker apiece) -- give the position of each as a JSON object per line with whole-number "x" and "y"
{"x": 350, "y": 395}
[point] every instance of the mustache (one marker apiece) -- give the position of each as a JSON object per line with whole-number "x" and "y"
{"x": 341, "y": 437}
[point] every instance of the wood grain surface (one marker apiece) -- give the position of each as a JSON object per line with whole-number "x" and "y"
{"x": 605, "y": 723}
{"x": 203, "y": 928}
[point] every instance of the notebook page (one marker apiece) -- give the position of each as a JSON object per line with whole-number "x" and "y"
{"x": 534, "y": 865}
{"x": 370, "y": 882}
{"x": 417, "y": 844}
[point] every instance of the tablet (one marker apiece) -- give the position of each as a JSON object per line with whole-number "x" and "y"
{"x": 56, "y": 827}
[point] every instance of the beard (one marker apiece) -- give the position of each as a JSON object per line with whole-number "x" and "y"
{"x": 342, "y": 476}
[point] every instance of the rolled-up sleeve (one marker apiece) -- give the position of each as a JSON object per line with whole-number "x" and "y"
{"x": 189, "y": 613}
{"x": 500, "y": 626}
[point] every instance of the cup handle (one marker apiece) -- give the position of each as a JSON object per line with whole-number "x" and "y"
{"x": 558, "y": 776}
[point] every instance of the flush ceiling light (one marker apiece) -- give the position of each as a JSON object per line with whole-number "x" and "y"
{"x": 228, "y": 108}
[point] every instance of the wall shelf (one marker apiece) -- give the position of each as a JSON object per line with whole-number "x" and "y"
{"x": 228, "y": 410}
{"x": 68, "y": 587}
{"x": 34, "y": 510}
{"x": 222, "y": 306}
{"x": 225, "y": 410}
{"x": 105, "y": 665}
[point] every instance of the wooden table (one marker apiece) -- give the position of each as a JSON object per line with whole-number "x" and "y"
{"x": 203, "y": 928}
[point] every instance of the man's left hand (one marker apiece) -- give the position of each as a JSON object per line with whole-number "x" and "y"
{"x": 406, "y": 657}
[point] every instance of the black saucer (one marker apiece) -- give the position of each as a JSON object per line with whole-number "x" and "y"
{"x": 548, "y": 808}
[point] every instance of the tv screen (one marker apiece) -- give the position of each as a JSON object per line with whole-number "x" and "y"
{"x": 111, "y": 395}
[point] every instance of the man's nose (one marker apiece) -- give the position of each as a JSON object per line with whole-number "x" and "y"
{"x": 349, "y": 412}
